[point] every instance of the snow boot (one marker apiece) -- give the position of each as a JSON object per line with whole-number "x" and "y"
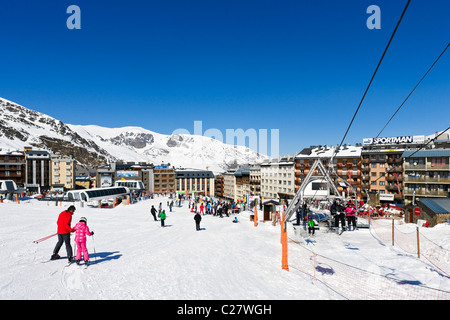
{"x": 77, "y": 262}
{"x": 86, "y": 262}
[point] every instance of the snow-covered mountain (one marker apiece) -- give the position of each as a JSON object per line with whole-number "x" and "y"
{"x": 94, "y": 145}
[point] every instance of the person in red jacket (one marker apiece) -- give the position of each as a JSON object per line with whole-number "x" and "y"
{"x": 64, "y": 230}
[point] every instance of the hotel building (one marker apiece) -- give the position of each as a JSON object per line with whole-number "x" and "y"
{"x": 201, "y": 182}
{"x": 382, "y": 166}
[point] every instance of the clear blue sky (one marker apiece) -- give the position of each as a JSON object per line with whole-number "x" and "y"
{"x": 298, "y": 66}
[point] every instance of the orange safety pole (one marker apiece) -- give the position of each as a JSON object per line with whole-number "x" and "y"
{"x": 392, "y": 232}
{"x": 255, "y": 220}
{"x": 418, "y": 243}
{"x": 284, "y": 258}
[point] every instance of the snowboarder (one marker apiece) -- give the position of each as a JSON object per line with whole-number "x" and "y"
{"x": 153, "y": 211}
{"x": 64, "y": 230}
{"x": 162, "y": 215}
{"x": 82, "y": 230}
{"x": 197, "y": 219}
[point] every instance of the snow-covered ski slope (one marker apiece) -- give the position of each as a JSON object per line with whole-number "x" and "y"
{"x": 137, "y": 259}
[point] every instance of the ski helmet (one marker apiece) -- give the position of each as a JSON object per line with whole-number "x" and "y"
{"x": 83, "y": 219}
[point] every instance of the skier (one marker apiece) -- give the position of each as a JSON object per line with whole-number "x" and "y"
{"x": 153, "y": 211}
{"x": 64, "y": 230}
{"x": 201, "y": 208}
{"x": 197, "y": 219}
{"x": 311, "y": 225}
{"x": 340, "y": 215}
{"x": 235, "y": 220}
{"x": 351, "y": 214}
{"x": 82, "y": 230}
{"x": 162, "y": 215}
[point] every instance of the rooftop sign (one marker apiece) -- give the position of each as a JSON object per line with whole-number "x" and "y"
{"x": 394, "y": 140}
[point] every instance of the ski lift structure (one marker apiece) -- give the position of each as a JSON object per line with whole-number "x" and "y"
{"x": 307, "y": 189}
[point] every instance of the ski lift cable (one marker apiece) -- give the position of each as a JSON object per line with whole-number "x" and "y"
{"x": 371, "y": 80}
{"x": 423, "y": 77}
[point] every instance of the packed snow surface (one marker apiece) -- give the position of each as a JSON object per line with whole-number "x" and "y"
{"x": 133, "y": 257}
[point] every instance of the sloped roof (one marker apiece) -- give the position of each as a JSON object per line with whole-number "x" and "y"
{"x": 437, "y": 205}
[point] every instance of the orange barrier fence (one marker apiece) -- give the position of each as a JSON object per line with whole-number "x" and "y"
{"x": 413, "y": 242}
{"x": 354, "y": 283}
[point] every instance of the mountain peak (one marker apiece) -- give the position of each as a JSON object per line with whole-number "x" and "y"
{"x": 94, "y": 145}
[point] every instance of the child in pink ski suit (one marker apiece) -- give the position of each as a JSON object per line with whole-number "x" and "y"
{"x": 351, "y": 215}
{"x": 82, "y": 230}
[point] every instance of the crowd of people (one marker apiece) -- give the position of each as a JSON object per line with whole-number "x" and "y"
{"x": 199, "y": 206}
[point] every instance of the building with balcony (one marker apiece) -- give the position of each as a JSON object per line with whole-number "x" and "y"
{"x": 229, "y": 185}
{"x": 427, "y": 174}
{"x": 382, "y": 166}
{"x": 62, "y": 172}
{"x": 255, "y": 179}
{"x": 242, "y": 178}
{"x": 346, "y": 164}
{"x": 278, "y": 178}
{"x": 12, "y": 166}
{"x": 218, "y": 187}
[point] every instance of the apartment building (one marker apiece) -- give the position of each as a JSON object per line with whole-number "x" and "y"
{"x": 346, "y": 164}
{"x": 242, "y": 180}
{"x": 218, "y": 187}
{"x": 164, "y": 179}
{"x": 278, "y": 178}
{"x": 62, "y": 172}
{"x": 255, "y": 179}
{"x": 229, "y": 185}
{"x": 382, "y": 165}
{"x": 427, "y": 174}
{"x": 12, "y": 166}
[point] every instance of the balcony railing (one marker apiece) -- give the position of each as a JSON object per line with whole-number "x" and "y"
{"x": 426, "y": 179}
{"x": 424, "y": 193}
{"x": 428, "y": 166}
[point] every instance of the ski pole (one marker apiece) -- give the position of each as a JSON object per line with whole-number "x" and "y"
{"x": 95, "y": 253}
{"x": 45, "y": 238}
